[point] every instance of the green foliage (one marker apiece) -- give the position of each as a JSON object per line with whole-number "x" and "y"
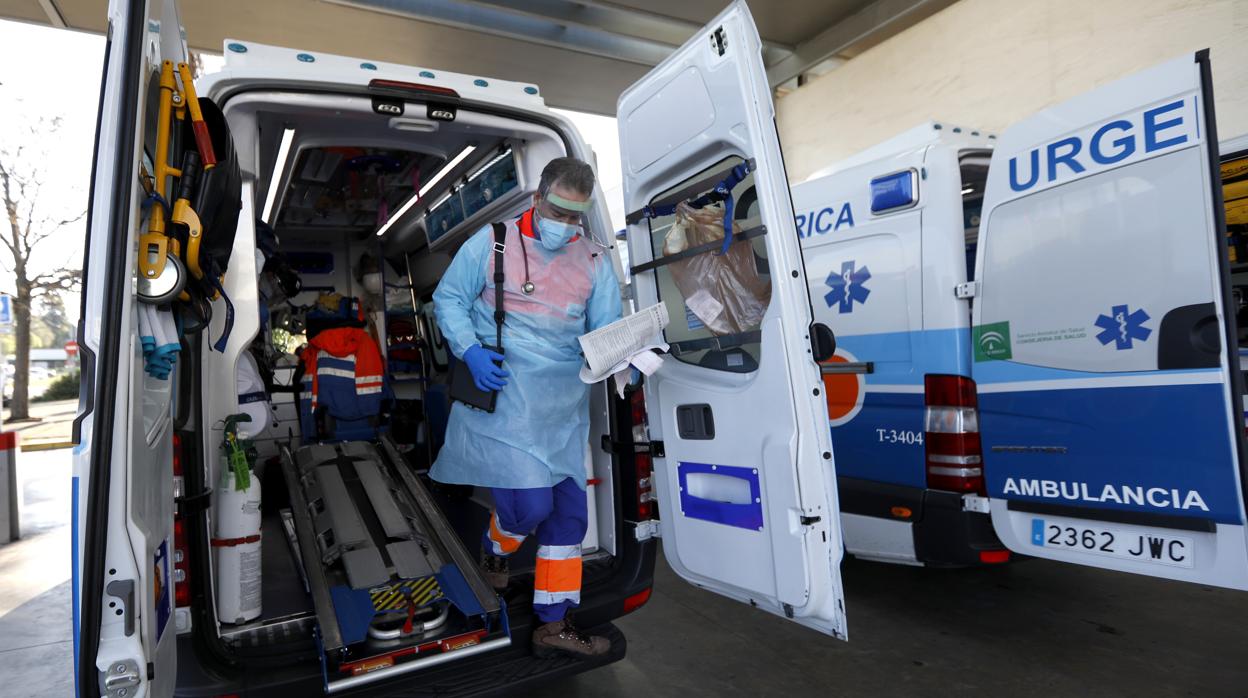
{"x": 65, "y": 387}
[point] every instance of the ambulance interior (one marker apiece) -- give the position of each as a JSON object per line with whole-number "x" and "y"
{"x": 1234, "y": 174}
{"x": 973, "y": 166}
{"x": 365, "y": 211}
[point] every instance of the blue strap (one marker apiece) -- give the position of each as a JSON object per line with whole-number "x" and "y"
{"x": 229, "y": 314}
{"x": 248, "y": 398}
{"x": 154, "y": 198}
{"x": 721, "y": 192}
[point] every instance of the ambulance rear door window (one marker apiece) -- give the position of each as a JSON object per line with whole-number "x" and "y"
{"x": 715, "y": 297}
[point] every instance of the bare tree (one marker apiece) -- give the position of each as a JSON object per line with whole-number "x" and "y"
{"x": 22, "y": 177}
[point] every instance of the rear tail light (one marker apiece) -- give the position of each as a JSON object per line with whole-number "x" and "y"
{"x": 646, "y": 508}
{"x": 181, "y": 553}
{"x": 951, "y": 439}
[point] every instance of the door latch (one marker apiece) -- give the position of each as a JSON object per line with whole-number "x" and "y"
{"x": 975, "y": 503}
{"x": 646, "y": 530}
{"x": 121, "y": 679}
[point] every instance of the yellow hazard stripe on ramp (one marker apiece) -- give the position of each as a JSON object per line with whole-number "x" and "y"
{"x": 396, "y": 596}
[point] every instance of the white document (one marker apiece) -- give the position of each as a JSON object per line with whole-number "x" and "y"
{"x": 624, "y": 343}
{"x": 705, "y": 306}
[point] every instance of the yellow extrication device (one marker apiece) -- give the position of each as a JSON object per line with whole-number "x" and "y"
{"x": 163, "y": 263}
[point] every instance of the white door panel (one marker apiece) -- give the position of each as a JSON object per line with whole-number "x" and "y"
{"x": 745, "y": 483}
{"x": 1105, "y": 356}
{"x": 123, "y": 478}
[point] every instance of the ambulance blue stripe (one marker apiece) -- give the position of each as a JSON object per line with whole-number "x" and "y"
{"x": 1089, "y": 424}
{"x": 881, "y": 443}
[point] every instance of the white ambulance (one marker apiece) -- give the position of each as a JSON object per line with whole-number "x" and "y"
{"x": 887, "y": 236}
{"x": 976, "y": 398}
{"x": 731, "y": 438}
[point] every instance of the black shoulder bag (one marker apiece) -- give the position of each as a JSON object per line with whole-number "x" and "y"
{"x": 463, "y": 388}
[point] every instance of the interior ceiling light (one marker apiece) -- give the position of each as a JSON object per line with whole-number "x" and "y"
{"x": 275, "y": 180}
{"x": 428, "y": 186}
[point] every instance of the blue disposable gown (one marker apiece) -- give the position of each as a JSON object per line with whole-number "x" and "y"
{"x": 539, "y": 430}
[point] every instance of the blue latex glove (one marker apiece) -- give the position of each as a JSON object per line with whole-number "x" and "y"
{"x": 485, "y": 373}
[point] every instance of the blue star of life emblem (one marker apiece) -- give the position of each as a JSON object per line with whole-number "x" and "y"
{"x": 1123, "y": 327}
{"x": 847, "y": 287}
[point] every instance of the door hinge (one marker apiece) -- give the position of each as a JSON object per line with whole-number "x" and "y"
{"x": 646, "y": 530}
{"x": 809, "y": 520}
{"x": 967, "y": 290}
{"x": 654, "y": 448}
{"x": 121, "y": 679}
{"x": 975, "y": 503}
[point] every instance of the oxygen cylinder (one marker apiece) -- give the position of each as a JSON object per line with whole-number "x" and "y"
{"x": 237, "y": 538}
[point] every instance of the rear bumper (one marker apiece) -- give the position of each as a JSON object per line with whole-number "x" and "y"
{"x": 944, "y": 534}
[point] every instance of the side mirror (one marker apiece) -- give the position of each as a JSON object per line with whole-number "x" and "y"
{"x": 822, "y": 342}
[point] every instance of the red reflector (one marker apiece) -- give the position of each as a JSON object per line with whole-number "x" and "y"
{"x": 994, "y": 557}
{"x": 637, "y": 401}
{"x": 412, "y": 87}
{"x": 177, "y": 455}
{"x": 637, "y": 600}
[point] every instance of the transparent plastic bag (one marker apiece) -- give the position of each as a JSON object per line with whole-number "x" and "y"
{"x": 725, "y": 292}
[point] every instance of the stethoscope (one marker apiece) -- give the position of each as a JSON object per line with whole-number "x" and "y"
{"x": 528, "y": 287}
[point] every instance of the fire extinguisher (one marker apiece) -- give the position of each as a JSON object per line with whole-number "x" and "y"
{"x": 236, "y": 541}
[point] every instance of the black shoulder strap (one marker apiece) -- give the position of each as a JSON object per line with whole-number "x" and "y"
{"x": 500, "y": 246}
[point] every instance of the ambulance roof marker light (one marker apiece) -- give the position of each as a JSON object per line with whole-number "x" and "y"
{"x": 426, "y": 188}
{"x": 279, "y": 169}
{"x": 894, "y": 191}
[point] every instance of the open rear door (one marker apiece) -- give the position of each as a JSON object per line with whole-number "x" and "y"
{"x": 1105, "y": 337}
{"x": 125, "y": 643}
{"x": 743, "y": 460}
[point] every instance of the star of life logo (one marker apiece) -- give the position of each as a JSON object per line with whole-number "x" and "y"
{"x": 1123, "y": 327}
{"x": 847, "y": 287}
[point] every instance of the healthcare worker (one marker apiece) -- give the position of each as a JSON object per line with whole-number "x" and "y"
{"x": 530, "y": 451}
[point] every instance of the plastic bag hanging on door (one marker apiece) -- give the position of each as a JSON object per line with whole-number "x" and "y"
{"x": 725, "y": 292}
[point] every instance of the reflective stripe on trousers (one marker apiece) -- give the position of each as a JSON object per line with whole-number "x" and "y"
{"x": 560, "y": 516}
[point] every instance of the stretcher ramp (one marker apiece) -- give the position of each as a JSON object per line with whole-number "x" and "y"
{"x": 373, "y": 541}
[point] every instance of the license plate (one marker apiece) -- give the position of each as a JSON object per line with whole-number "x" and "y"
{"x": 1149, "y": 546}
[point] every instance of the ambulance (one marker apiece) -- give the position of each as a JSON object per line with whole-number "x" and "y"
{"x": 239, "y": 214}
{"x": 976, "y": 402}
{"x": 303, "y": 550}
{"x": 886, "y": 235}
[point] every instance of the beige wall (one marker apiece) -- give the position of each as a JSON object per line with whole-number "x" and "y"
{"x": 988, "y": 63}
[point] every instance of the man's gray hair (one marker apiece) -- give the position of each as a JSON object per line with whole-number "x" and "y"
{"x": 574, "y": 174}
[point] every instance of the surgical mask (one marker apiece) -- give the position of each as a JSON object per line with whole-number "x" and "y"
{"x": 372, "y": 283}
{"x": 555, "y": 234}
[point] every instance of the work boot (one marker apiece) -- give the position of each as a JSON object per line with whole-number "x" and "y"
{"x": 561, "y": 637}
{"x": 495, "y": 570}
